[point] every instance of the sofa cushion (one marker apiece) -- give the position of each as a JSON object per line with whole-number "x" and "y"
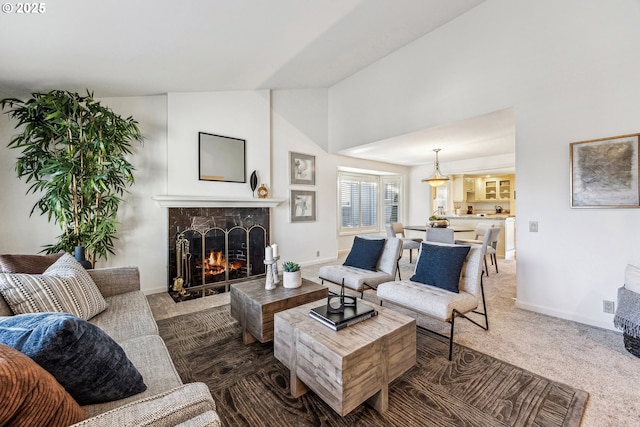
{"x": 31, "y": 396}
{"x": 365, "y": 253}
{"x": 87, "y": 362}
{"x": 64, "y": 287}
{"x": 440, "y": 266}
{"x": 27, "y": 264}
{"x": 128, "y": 316}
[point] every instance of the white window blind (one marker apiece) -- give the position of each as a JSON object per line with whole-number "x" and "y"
{"x": 391, "y": 199}
{"x": 358, "y": 202}
{"x": 363, "y": 197}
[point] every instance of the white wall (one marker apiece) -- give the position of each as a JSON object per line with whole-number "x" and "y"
{"x": 238, "y": 114}
{"x": 300, "y": 124}
{"x": 569, "y": 70}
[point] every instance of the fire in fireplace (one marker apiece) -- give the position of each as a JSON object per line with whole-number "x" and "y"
{"x": 212, "y": 249}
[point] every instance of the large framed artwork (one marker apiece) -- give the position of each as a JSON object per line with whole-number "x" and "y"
{"x": 604, "y": 173}
{"x": 302, "y": 168}
{"x": 303, "y": 206}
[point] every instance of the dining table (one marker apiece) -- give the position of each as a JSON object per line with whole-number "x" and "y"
{"x": 456, "y": 229}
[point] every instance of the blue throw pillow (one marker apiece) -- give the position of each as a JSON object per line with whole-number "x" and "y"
{"x": 365, "y": 253}
{"x": 440, "y": 266}
{"x": 90, "y": 365}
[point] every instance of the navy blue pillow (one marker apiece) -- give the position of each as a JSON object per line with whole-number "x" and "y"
{"x": 365, "y": 253}
{"x": 90, "y": 365}
{"x": 440, "y": 266}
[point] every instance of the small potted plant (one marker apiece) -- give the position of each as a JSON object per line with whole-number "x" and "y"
{"x": 291, "y": 276}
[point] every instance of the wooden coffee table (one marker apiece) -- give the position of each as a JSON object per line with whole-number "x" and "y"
{"x": 348, "y": 367}
{"x": 254, "y": 306}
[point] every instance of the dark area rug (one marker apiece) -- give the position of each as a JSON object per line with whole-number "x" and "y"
{"x": 251, "y": 387}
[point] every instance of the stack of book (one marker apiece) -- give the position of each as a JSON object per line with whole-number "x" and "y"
{"x": 350, "y": 316}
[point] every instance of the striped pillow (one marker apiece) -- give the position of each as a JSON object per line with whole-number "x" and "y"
{"x": 64, "y": 287}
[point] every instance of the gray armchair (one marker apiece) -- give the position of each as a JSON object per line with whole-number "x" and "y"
{"x": 358, "y": 279}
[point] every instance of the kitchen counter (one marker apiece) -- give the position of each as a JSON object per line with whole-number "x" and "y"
{"x": 478, "y": 216}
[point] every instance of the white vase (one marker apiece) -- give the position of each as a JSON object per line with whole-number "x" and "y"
{"x": 292, "y": 279}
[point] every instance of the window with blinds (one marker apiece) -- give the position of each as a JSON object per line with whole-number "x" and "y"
{"x": 361, "y": 198}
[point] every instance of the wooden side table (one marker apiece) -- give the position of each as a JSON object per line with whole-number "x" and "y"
{"x": 254, "y": 306}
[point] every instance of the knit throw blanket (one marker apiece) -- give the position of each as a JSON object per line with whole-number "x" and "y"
{"x": 627, "y": 317}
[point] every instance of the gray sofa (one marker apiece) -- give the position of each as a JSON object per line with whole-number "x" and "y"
{"x": 129, "y": 321}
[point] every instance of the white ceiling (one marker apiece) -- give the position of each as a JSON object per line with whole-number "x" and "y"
{"x": 145, "y": 47}
{"x": 148, "y": 47}
{"x": 492, "y": 134}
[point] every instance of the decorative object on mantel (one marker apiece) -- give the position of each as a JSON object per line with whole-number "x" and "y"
{"x": 604, "y": 173}
{"x": 87, "y": 145}
{"x": 253, "y": 182}
{"x": 291, "y": 275}
{"x": 263, "y": 192}
{"x": 437, "y": 179}
{"x": 302, "y": 169}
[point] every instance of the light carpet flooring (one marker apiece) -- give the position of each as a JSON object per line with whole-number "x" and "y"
{"x": 584, "y": 357}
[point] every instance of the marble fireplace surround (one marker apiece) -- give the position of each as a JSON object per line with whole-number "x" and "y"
{"x": 225, "y": 209}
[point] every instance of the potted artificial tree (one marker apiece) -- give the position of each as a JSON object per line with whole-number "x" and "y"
{"x": 74, "y": 154}
{"x": 291, "y": 275}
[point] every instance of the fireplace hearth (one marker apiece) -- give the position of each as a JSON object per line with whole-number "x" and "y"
{"x": 210, "y": 248}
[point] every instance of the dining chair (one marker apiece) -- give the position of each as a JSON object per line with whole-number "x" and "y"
{"x": 481, "y": 230}
{"x": 395, "y": 229}
{"x": 492, "y": 247}
{"x": 440, "y": 235}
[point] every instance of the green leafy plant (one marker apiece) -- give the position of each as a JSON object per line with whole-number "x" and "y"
{"x": 74, "y": 154}
{"x": 290, "y": 266}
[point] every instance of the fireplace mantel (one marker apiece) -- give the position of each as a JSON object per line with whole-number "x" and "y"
{"x": 215, "y": 202}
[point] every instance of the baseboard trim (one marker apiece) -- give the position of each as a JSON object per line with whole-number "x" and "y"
{"x": 565, "y": 315}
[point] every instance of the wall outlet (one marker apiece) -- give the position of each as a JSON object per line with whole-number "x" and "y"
{"x": 608, "y": 307}
{"x": 533, "y": 226}
{"x": 317, "y": 254}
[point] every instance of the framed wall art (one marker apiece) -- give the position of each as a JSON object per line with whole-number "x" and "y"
{"x": 604, "y": 173}
{"x": 303, "y": 206}
{"x": 302, "y": 169}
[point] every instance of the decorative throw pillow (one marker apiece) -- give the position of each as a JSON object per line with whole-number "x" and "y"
{"x": 440, "y": 266}
{"x": 365, "y": 253}
{"x": 64, "y": 287}
{"x": 632, "y": 278}
{"x": 30, "y": 396}
{"x": 27, "y": 264}
{"x": 90, "y": 365}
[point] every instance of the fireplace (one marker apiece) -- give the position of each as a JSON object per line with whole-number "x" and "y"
{"x": 210, "y": 248}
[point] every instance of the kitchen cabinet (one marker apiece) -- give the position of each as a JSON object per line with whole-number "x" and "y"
{"x": 498, "y": 188}
{"x": 458, "y": 189}
{"x": 469, "y": 185}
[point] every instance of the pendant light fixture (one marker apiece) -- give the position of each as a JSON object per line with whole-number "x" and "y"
{"x": 437, "y": 179}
